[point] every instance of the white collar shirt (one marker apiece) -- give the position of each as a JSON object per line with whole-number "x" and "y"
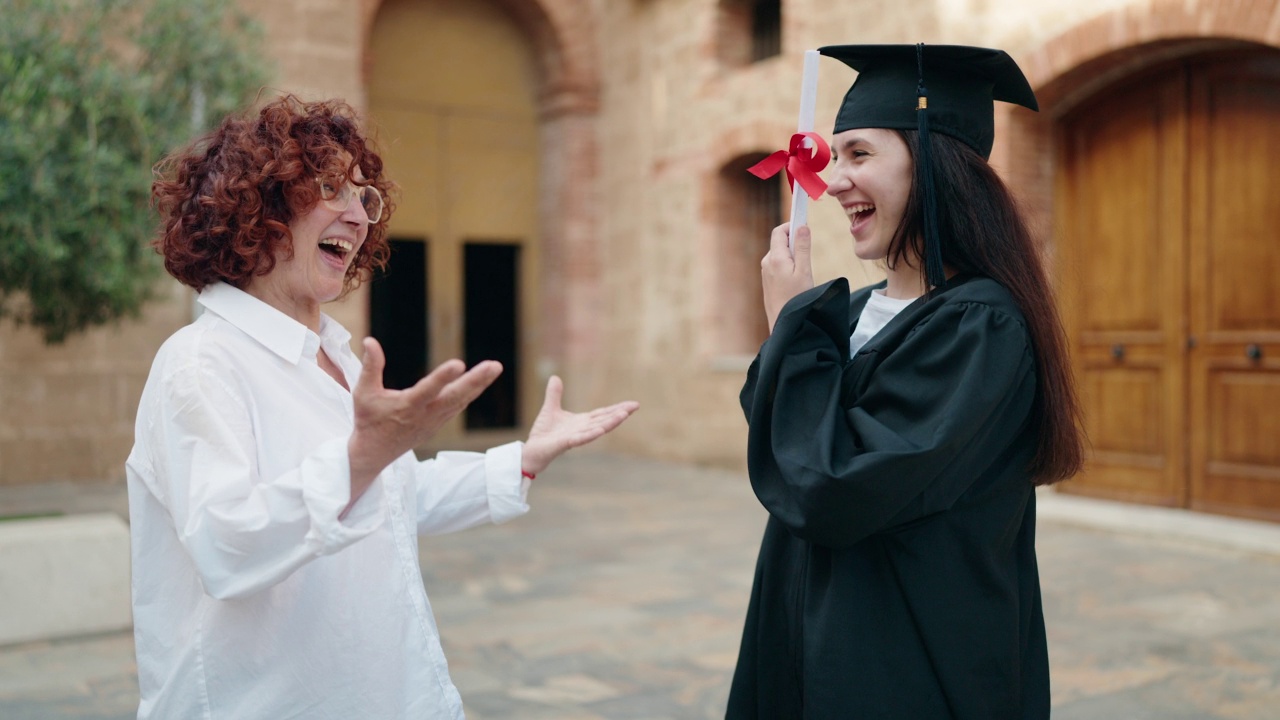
{"x": 252, "y": 597}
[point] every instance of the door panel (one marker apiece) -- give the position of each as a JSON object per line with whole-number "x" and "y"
{"x": 1237, "y": 142}
{"x": 1123, "y": 286}
{"x": 1235, "y": 313}
{"x": 1119, "y": 154}
{"x": 1169, "y": 199}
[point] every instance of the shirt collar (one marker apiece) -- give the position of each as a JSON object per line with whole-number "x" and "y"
{"x": 274, "y": 330}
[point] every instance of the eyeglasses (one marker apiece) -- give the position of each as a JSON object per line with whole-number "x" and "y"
{"x": 336, "y": 194}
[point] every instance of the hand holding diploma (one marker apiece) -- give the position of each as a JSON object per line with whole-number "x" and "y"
{"x": 787, "y": 269}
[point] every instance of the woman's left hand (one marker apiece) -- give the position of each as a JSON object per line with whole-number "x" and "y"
{"x": 782, "y": 274}
{"x": 556, "y": 430}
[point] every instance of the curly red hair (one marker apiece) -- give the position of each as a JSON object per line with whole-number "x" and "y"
{"x": 226, "y": 200}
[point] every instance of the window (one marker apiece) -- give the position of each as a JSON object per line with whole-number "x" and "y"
{"x": 749, "y": 31}
{"x": 766, "y": 29}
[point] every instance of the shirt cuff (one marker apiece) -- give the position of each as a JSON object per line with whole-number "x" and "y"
{"x": 326, "y": 490}
{"x": 507, "y": 488}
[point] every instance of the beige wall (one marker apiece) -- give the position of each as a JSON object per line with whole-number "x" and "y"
{"x": 67, "y": 411}
{"x": 633, "y": 104}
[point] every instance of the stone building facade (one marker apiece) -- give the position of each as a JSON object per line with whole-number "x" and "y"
{"x": 629, "y": 121}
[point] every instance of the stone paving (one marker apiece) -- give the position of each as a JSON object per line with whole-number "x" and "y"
{"x": 621, "y": 596}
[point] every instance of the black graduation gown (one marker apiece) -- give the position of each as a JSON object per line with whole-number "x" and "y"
{"x": 897, "y": 576}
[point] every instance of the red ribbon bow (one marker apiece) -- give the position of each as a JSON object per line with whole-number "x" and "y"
{"x": 801, "y": 163}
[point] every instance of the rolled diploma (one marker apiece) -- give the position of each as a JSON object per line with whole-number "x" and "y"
{"x": 808, "y": 100}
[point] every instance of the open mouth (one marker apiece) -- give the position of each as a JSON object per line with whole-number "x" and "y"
{"x": 337, "y": 248}
{"x": 860, "y": 211}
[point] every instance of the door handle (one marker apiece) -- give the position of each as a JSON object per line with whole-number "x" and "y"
{"x": 1117, "y": 351}
{"x": 1253, "y": 352}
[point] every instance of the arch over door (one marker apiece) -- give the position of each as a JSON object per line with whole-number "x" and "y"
{"x": 1167, "y": 205}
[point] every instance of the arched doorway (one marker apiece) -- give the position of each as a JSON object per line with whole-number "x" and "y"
{"x": 453, "y": 95}
{"x": 1167, "y": 204}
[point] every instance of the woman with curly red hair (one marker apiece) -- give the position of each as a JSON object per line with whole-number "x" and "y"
{"x": 274, "y": 497}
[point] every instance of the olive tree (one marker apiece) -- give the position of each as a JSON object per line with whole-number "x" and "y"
{"x": 92, "y": 94}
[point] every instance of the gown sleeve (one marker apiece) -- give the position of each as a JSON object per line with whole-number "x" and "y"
{"x": 836, "y": 459}
{"x": 747, "y": 396}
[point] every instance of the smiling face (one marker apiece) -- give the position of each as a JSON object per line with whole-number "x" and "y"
{"x": 871, "y": 180}
{"x": 325, "y": 242}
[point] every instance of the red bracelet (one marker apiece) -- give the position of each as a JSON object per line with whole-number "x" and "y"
{"x": 528, "y": 474}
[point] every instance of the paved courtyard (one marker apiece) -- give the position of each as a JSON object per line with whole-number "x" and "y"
{"x": 622, "y": 594}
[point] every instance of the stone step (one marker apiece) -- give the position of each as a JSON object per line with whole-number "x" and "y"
{"x": 63, "y": 576}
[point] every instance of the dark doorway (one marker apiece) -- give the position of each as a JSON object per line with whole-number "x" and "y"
{"x": 398, "y": 313}
{"x": 491, "y": 274}
{"x": 766, "y": 29}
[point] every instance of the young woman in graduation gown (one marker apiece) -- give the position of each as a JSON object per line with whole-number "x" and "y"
{"x": 897, "y": 433}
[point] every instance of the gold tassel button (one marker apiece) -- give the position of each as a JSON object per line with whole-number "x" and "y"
{"x": 922, "y": 103}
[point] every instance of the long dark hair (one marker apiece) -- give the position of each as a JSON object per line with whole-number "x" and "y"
{"x": 983, "y": 233}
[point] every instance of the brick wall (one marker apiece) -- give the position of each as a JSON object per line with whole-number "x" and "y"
{"x": 639, "y": 114}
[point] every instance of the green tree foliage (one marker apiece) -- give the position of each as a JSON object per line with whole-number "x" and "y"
{"x": 92, "y": 94}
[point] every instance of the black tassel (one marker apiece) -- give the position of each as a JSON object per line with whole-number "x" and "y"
{"x": 934, "y": 273}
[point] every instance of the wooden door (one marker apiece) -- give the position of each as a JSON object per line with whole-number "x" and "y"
{"x": 1234, "y": 226}
{"x": 1122, "y": 262}
{"x": 1168, "y": 202}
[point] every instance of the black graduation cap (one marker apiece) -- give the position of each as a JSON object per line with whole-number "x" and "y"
{"x": 949, "y": 89}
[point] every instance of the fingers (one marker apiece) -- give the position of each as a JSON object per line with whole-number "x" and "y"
{"x": 452, "y": 386}
{"x": 441, "y": 395}
{"x": 462, "y": 391}
{"x": 613, "y": 419}
{"x": 626, "y": 407}
{"x": 616, "y": 414}
{"x": 601, "y": 421}
{"x": 555, "y": 393}
{"x": 430, "y": 386}
{"x": 371, "y": 372}
{"x": 802, "y": 244}
{"x": 556, "y": 432}
{"x": 778, "y": 240}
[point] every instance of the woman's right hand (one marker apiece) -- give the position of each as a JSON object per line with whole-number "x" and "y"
{"x": 785, "y": 272}
{"x": 389, "y": 423}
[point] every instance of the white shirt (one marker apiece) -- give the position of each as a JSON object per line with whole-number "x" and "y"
{"x": 251, "y": 599}
{"x": 877, "y": 313}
